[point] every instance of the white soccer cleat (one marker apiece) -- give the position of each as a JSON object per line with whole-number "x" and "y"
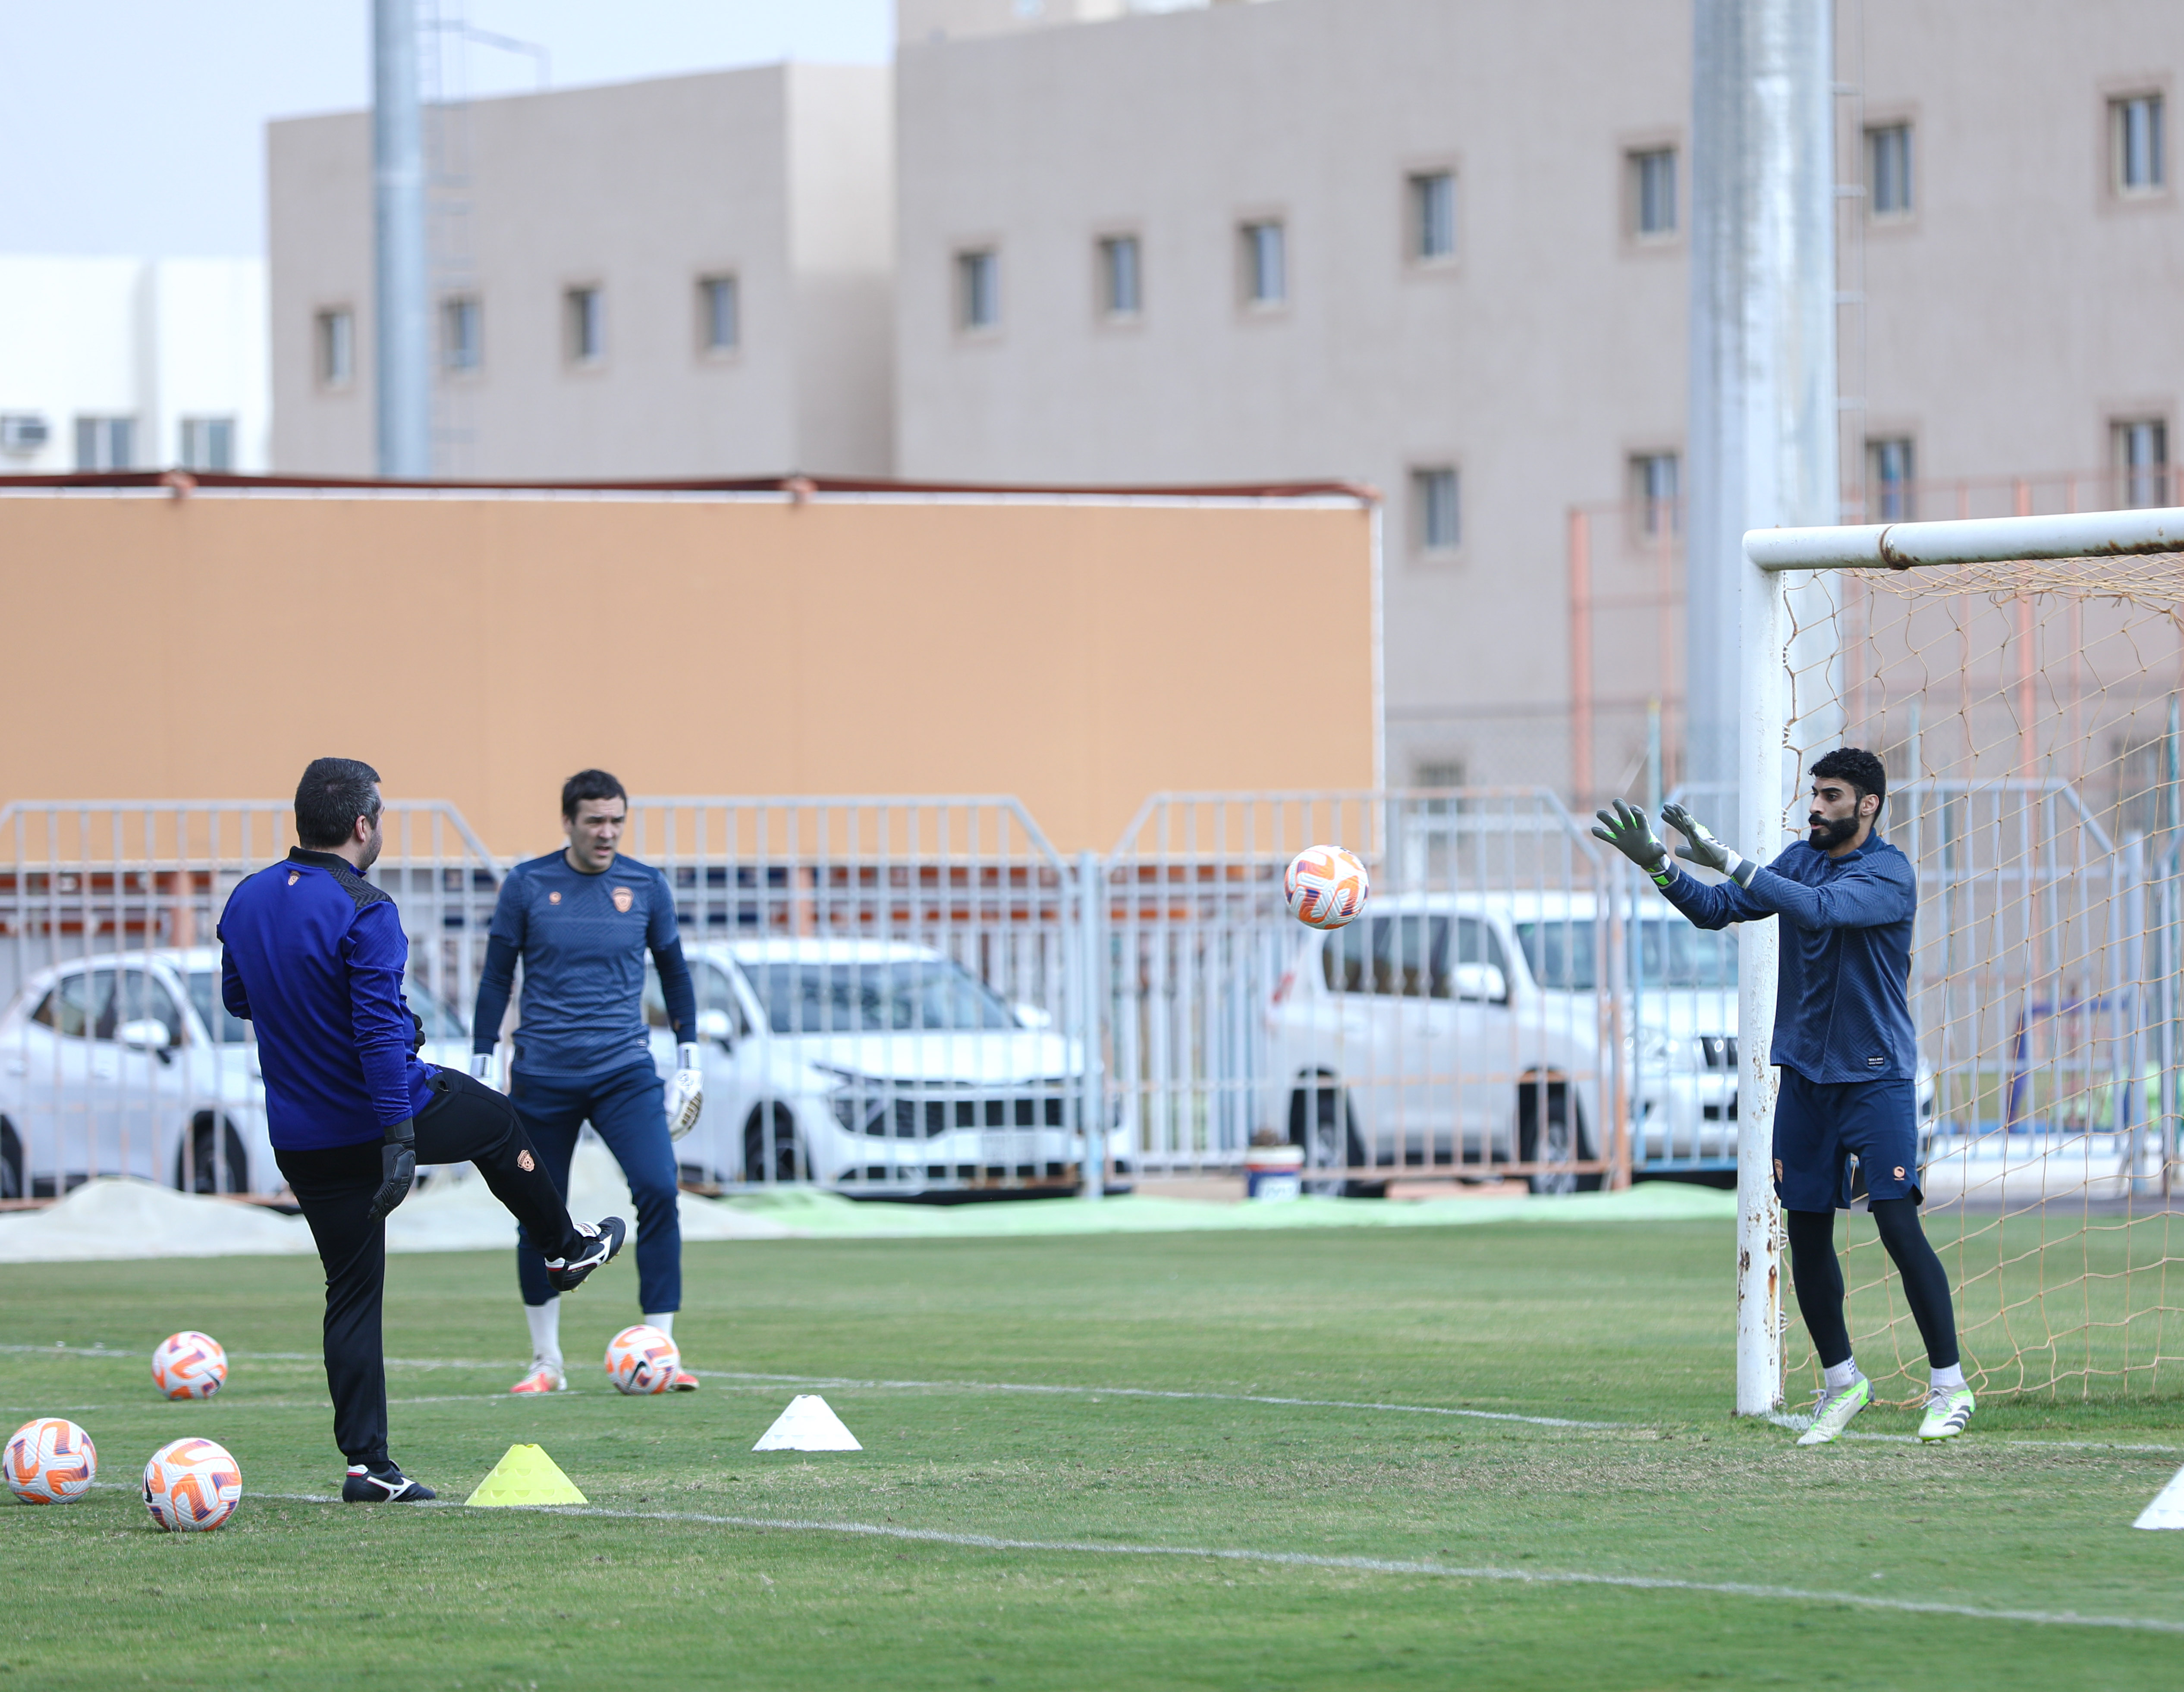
{"x": 1948, "y": 1413}
{"x": 544, "y": 1378}
{"x": 1833, "y": 1411}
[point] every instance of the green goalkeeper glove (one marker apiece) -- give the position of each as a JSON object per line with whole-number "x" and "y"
{"x": 1629, "y": 831}
{"x": 1705, "y": 850}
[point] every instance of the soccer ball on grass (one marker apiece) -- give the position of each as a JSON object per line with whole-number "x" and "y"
{"x": 189, "y": 1365}
{"x": 192, "y": 1485}
{"x": 641, "y": 1360}
{"x": 1325, "y": 887}
{"x": 49, "y": 1460}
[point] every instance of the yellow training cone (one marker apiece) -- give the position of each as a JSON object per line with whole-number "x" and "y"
{"x": 526, "y": 1475}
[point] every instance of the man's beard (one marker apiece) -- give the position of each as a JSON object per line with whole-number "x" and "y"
{"x": 1825, "y": 834}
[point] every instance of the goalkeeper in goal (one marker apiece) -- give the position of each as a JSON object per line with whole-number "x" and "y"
{"x": 1849, "y": 1058}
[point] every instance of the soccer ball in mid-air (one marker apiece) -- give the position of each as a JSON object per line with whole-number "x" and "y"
{"x": 49, "y": 1460}
{"x": 641, "y": 1360}
{"x": 192, "y": 1485}
{"x": 1325, "y": 887}
{"x": 189, "y": 1365}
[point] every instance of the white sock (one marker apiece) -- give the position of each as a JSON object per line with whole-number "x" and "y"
{"x": 545, "y": 1322}
{"x": 1946, "y": 1380}
{"x": 1843, "y": 1374}
{"x": 664, "y": 1322}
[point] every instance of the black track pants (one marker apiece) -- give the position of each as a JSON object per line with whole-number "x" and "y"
{"x": 1818, "y": 1275}
{"x": 465, "y": 1122}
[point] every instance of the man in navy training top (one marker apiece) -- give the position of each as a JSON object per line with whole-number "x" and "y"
{"x": 1848, "y": 1057}
{"x": 313, "y": 955}
{"x": 582, "y": 919}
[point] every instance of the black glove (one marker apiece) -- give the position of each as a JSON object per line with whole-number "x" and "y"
{"x": 417, "y": 1043}
{"x": 398, "y": 1167}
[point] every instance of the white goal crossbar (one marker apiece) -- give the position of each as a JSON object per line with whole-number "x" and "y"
{"x": 1764, "y": 726}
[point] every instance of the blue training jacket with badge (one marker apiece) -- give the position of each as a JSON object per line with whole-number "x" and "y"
{"x": 1842, "y": 1009}
{"x": 313, "y": 954}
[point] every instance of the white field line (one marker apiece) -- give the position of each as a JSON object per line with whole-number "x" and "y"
{"x": 1635, "y": 1583}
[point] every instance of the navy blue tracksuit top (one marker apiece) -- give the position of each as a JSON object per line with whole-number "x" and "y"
{"x": 1843, "y": 1010}
{"x": 313, "y": 954}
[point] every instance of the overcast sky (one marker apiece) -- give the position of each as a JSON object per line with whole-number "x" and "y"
{"x": 138, "y": 127}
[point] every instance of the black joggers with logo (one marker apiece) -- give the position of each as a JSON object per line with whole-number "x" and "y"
{"x": 465, "y": 1122}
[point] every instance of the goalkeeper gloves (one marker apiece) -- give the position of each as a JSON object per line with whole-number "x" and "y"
{"x": 398, "y": 1168}
{"x": 482, "y": 1067}
{"x": 1629, "y": 830}
{"x": 1705, "y": 850}
{"x": 686, "y": 1092}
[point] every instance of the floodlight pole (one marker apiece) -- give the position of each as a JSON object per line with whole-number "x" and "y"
{"x": 402, "y": 327}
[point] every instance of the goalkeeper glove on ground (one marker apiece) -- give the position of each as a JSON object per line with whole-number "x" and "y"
{"x": 1705, "y": 850}
{"x": 398, "y": 1168}
{"x": 1629, "y": 830}
{"x": 686, "y": 1094}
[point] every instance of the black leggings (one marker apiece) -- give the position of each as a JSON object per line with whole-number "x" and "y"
{"x": 1818, "y": 1277}
{"x": 465, "y": 1122}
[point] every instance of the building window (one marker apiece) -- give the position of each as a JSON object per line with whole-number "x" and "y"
{"x": 105, "y": 442}
{"x": 1652, "y": 187}
{"x": 2142, "y": 461}
{"x": 1891, "y": 471}
{"x": 719, "y": 315}
{"x": 1432, "y": 216}
{"x": 1436, "y": 509}
{"x": 978, "y": 289}
{"x": 1654, "y": 491}
{"x": 585, "y": 311}
{"x": 334, "y": 333}
{"x": 1888, "y": 171}
{"x": 1266, "y": 263}
{"x": 23, "y": 432}
{"x": 2136, "y": 144}
{"x": 208, "y": 443}
{"x": 1121, "y": 285}
{"x": 461, "y": 346}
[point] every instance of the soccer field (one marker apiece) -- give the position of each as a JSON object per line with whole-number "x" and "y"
{"x": 1484, "y": 1456}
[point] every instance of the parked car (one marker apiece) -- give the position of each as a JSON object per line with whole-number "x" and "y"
{"x": 1472, "y": 1028}
{"x": 127, "y": 1063}
{"x": 873, "y": 1065}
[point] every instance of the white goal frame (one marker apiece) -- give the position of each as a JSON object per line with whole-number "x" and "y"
{"x": 1770, "y": 556}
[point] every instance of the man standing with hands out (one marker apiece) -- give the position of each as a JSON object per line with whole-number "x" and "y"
{"x": 1843, "y": 1039}
{"x": 582, "y": 919}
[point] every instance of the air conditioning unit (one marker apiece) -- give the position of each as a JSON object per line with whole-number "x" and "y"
{"x": 23, "y": 431}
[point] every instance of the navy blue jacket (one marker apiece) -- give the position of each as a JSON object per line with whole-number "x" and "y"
{"x": 313, "y": 954}
{"x": 1843, "y": 1010}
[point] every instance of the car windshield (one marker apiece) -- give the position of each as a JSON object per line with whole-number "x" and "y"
{"x": 441, "y": 1021}
{"x": 1562, "y": 955}
{"x": 204, "y": 993}
{"x": 875, "y": 998}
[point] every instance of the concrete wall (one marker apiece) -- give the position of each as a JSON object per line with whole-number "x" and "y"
{"x": 1079, "y": 655}
{"x": 780, "y": 177}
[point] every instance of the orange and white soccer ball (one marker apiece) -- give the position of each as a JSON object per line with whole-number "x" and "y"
{"x": 192, "y": 1485}
{"x": 641, "y": 1360}
{"x": 1325, "y": 887}
{"x": 49, "y": 1460}
{"x": 189, "y": 1365}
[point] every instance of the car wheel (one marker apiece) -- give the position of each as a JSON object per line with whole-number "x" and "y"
{"x": 197, "y": 1167}
{"x": 1552, "y": 1129}
{"x": 11, "y": 1162}
{"x": 772, "y": 1151}
{"x": 1323, "y": 1121}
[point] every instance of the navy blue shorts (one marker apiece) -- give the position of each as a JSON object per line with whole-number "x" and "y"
{"x": 1820, "y": 1126}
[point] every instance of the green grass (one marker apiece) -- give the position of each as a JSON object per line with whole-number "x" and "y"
{"x": 1621, "y": 1323}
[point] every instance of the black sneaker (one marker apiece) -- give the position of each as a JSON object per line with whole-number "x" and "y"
{"x": 595, "y": 1242}
{"x": 382, "y": 1483}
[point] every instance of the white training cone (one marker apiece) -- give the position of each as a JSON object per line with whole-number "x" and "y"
{"x": 2167, "y": 1509}
{"x": 807, "y": 1425}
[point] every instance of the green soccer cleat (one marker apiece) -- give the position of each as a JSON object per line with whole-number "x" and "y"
{"x": 1833, "y": 1411}
{"x": 1948, "y": 1413}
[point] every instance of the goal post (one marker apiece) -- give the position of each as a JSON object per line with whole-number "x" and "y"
{"x": 1999, "y": 666}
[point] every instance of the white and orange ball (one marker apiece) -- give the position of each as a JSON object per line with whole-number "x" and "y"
{"x": 49, "y": 1460}
{"x": 189, "y": 1365}
{"x": 641, "y": 1360}
{"x": 192, "y": 1485}
{"x": 1325, "y": 887}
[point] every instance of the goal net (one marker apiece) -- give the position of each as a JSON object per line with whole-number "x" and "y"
{"x": 2027, "y": 709}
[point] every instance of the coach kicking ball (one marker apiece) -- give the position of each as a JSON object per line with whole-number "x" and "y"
{"x": 312, "y": 954}
{"x": 1848, "y": 1056}
{"x": 581, "y": 922}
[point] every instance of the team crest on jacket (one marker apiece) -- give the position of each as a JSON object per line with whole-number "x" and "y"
{"x": 294, "y": 875}
{"x": 623, "y": 899}
{"x": 553, "y": 899}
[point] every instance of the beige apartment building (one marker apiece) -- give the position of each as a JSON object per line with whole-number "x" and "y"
{"x": 1439, "y": 246}
{"x": 681, "y": 278}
